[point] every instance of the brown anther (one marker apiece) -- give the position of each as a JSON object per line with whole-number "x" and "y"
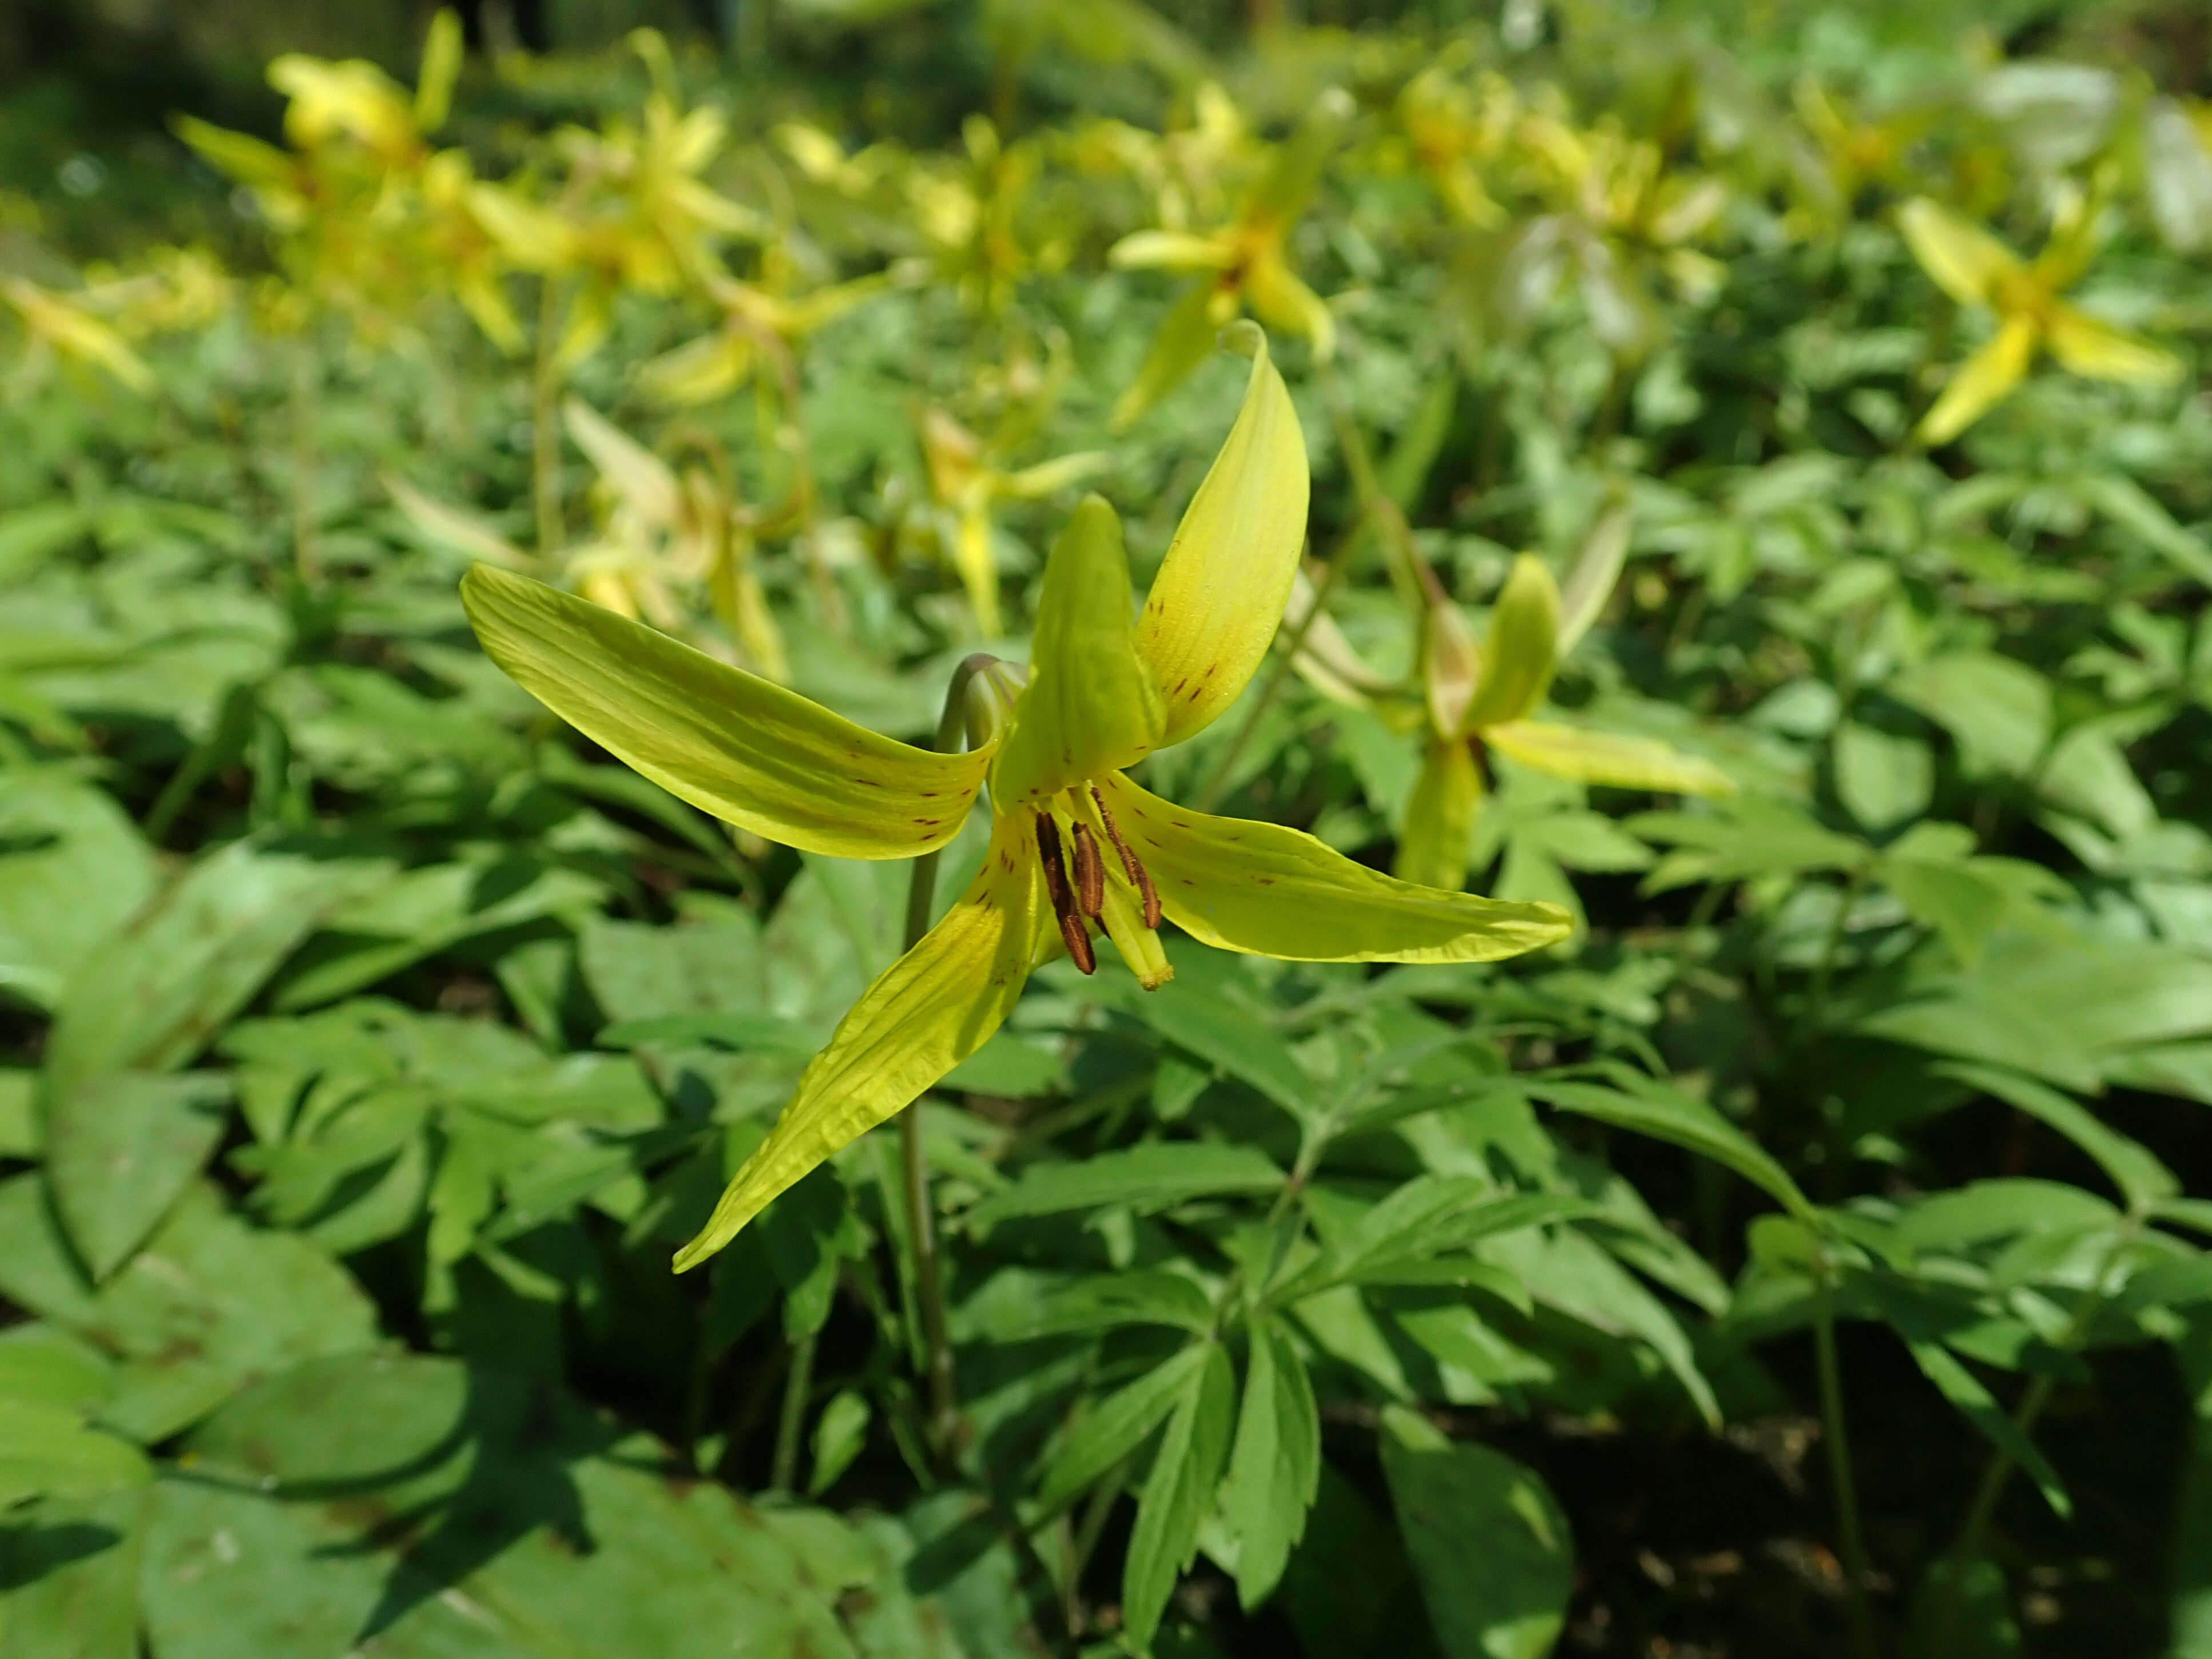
{"x": 1139, "y": 877}
{"x": 1071, "y": 930}
{"x": 1089, "y": 872}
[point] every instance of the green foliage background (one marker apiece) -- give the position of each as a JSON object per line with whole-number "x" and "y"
{"x": 1804, "y": 1259}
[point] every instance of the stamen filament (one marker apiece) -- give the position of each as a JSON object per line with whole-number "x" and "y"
{"x": 1071, "y": 930}
{"x": 1090, "y": 872}
{"x": 1139, "y": 877}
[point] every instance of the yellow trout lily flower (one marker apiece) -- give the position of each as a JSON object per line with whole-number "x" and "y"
{"x": 964, "y": 484}
{"x": 1480, "y": 698}
{"x": 1076, "y": 848}
{"x": 1979, "y": 271}
{"x": 1240, "y": 265}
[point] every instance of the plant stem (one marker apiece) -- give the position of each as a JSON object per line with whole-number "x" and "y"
{"x": 944, "y": 1422}
{"x": 1851, "y": 1542}
{"x": 544, "y": 428}
{"x": 798, "y": 1383}
{"x": 307, "y": 552}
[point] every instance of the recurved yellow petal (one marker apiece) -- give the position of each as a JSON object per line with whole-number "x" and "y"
{"x": 441, "y": 67}
{"x": 1172, "y": 250}
{"x": 1284, "y": 302}
{"x": 643, "y": 480}
{"x": 1185, "y": 340}
{"x": 1522, "y": 649}
{"x": 750, "y": 753}
{"x": 1568, "y": 751}
{"x": 2105, "y": 353}
{"x": 1046, "y": 476}
{"x": 1984, "y": 381}
{"x": 1440, "y": 816}
{"x": 976, "y": 563}
{"x": 1596, "y": 569}
{"x": 1962, "y": 259}
{"x": 930, "y": 1009}
{"x": 1266, "y": 891}
{"x": 1220, "y": 591}
{"x": 1451, "y": 667}
{"x": 1090, "y": 707}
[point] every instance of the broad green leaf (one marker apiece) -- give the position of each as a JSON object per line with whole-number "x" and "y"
{"x": 1179, "y": 1493}
{"x": 2133, "y": 1168}
{"x": 1881, "y": 778}
{"x": 150, "y": 997}
{"x": 1490, "y": 1544}
{"x": 69, "y": 1577}
{"x": 1424, "y": 1221}
{"x": 1974, "y": 1403}
{"x": 208, "y": 1303}
{"x": 46, "y": 1451}
{"x": 73, "y": 869}
{"x": 1997, "y": 709}
{"x": 536, "y": 1534}
{"x": 1274, "y": 1463}
{"x": 1228, "y": 1037}
{"x": 1151, "y": 1176}
{"x": 122, "y": 1147}
{"x": 1665, "y": 1113}
{"x": 1104, "y": 1301}
{"x": 1112, "y": 1429}
{"x": 839, "y": 1434}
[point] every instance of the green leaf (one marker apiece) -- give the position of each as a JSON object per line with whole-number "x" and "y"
{"x": 1114, "y": 1428}
{"x": 534, "y": 1532}
{"x": 1996, "y": 709}
{"x": 70, "y": 1571}
{"x": 73, "y": 869}
{"x": 839, "y": 1434}
{"x": 1427, "y": 1218}
{"x": 1490, "y": 1546}
{"x": 2142, "y": 1181}
{"x": 1274, "y": 1464}
{"x": 1179, "y": 1493}
{"x": 1974, "y": 1403}
{"x": 1881, "y": 779}
{"x": 46, "y": 1451}
{"x": 208, "y": 1303}
{"x": 149, "y": 998}
{"x": 1228, "y": 1037}
{"x": 1650, "y": 1107}
{"x": 122, "y": 1148}
{"x": 1151, "y": 1176}
{"x": 1963, "y": 1610}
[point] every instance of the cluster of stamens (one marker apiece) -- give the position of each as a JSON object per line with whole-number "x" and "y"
{"x": 1079, "y": 902}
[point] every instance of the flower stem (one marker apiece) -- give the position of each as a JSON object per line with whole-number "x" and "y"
{"x": 1851, "y": 1540}
{"x": 544, "y": 429}
{"x": 944, "y": 1422}
{"x": 798, "y": 1383}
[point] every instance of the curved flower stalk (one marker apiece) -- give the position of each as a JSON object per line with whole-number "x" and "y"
{"x": 1476, "y": 698}
{"x": 1983, "y": 274}
{"x": 1076, "y": 848}
{"x": 1241, "y": 264}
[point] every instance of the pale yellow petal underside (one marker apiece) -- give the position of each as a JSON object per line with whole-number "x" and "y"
{"x": 1220, "y": 591}
{"x": 2102, "y": 352}
{"x": 1267, "y": 891}
{"x": 928, "y": 1012}
{"x": 731, "y": 743}
{"x": 1983, "y": 382}
{"x": 1622, "y": 763}
{"x": 1962, "y": 259}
